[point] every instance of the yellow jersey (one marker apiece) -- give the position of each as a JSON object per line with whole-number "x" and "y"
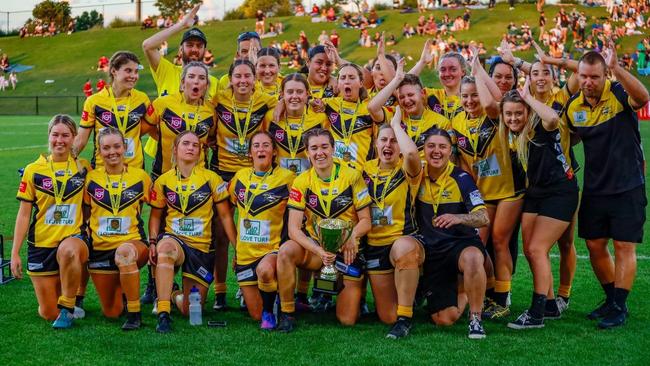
{"x": 419, "y": 129}
{"x": 558, "y": 101}
{"x": 353, "y": 131}
{"x": 262, "y": 203}
{"x": 172, "y": 116}
{"x": 272, "y": 90}
{"x": 190, "y": 204}
{"x": 393, "y": 202}
{"x": 340, "y": 197}
{"x": 116, "y": 206}
{"x": 236, "y": 126}
{"x": 288, "y": 133}
{"x": 168, "y": 79}
{"x": 490, "y": 162}
{"x": 321, "y": 91}
{"x": 445, "y": 105}
{"x": 56, "y": 191}
{"x": 126, "y": 114}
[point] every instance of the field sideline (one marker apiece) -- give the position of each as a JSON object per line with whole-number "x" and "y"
{"x": 27, "y": 339}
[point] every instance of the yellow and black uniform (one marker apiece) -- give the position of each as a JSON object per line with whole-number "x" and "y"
{"x": 393, "y": 195}
{"x": 453, "y": 192}
{"x": 341, "y": 196}
{"x": 115, "y": 213}
{"x": 235, "y": 127}
{"x": 262, "y": 202}
{"x": 168, "y": 79}
{"x": 445, "y": 105}
{"x": 55, "y": 189}
{"x": 288, "y": 133}
{"x": 613, "y": 199}
{"x": 353, "y": 131}
{"x": 172, "y": 116}
{"x": 189, "y": 203}
{"x": 271, "y": 90}
{"x": 389, "y": 107}
{"x": 419, "y": 128}
{"x": 480, "y": 148}
{"x": 321, "y": 91}
{"x": 126, "y": 114}
{"x": 557, "y": 101}
{"x": 552, "y": 188}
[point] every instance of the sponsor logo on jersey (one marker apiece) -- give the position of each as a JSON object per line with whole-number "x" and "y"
{"x": 295, "y": 195}
{"x": 23, "y": 187}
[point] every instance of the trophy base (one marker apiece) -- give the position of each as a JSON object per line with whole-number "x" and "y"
{"x": 329, "y": 287}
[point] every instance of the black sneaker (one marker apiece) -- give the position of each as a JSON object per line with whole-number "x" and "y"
{"x": 526, "y": 321}
{"x": 363, "y": 308}
{"x": 601, "y": 311}
{"x": 615, "y": 318}
{"x": 286, "y": 323}
{"x": 552, "y": 310}
{"x": 476, "y": 330}
{"x": 322, "y": 304}
{"x": 164, "y": 323}
{"x": 400, "y": 329}
{"x": 133, "y": 321}
{"x": 149, "y": 294}
{"x": 220, "y": 302}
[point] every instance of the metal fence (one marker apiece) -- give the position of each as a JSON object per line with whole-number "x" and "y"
{"x": 44, "y": 105}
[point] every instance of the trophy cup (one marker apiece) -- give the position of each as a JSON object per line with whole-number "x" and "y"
{"x": 332, "y": 234}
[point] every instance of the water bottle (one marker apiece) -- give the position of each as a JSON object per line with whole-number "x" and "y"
{"x": 195, "y": 306}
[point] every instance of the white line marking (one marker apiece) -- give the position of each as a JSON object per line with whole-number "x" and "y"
{"x": 638, "y": 257}
{"x": 22, "y": 147}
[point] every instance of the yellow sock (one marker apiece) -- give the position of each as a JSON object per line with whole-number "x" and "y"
{"x": 219, "y": 288}
{"x": 288, "y": 307}
{"x": 133, "y": 306}
{"x": 66, "y": 302}
{"x": 406, "y": 311}
{"x": 502, "y": 286}
{"x": 564, "y": 291}
{"x": 268, "y": 286}
{"x": 164, "y": 306}
{"x": 490, "y": 282}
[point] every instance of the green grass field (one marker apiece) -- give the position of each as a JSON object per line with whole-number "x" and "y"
{"x": 27, "y": 339}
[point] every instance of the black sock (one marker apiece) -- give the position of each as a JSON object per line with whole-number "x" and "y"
{"x": 79, "y": 301}
{"x": 537, "y": 306}
{"x": 70, "y": 310}
{"x": 551, "y": 306}
{"x": 489, "y": 293}
{"x": 151, "y": 281}
{"x": 268, "y": 300}
{"x": 609, "y": 291}
{"x": 500, "y": 298}
{"x": 302, "y": 297}
{"x": 620, "y": 297}
{"x": 566, "y": 299}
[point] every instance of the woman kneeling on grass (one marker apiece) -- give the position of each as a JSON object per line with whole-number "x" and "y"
{"x": 58, "y": 246}
{"x": 113, "y": 196}
{"x": 188, "y": 193}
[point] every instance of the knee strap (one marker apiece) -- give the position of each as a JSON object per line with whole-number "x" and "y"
{"x": 410, "y": 260}
{"x": 129, "y": 258}
{"x": 171, "y": 254}
{"x": 268, "y": 286}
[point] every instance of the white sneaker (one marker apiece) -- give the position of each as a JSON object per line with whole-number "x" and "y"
{"x": 154, "y": 311}
{"x": 79, "y": 313}
{"x": 562, "y": 304}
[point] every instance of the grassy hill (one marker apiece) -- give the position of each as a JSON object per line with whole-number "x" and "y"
{"x": 70, "y": 60}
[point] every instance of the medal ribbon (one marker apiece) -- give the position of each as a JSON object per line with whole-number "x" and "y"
{"x": 347, "y": 133}
{"x": 124, "y": 120}
{"x": 327, "y": 203}
{"x": 381, "y": 201}
{"x": 116, "y": 198}
{"x": 473, "y": 138}
{"x": 248, "y": 200}
{"x": 183, "y": 197}
{"x": 241, "y": 134}
{"x": 194, "y": 122}
{"x": 409, "y": 124}
{"x": 59, "y": 192}
{"x": 293, "y": 146}
{"x": 441, "y": 185}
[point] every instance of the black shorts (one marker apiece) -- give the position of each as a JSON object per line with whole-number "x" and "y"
{"x": 197, "y": 265}
{"x": 618, "y": 216}
{"x": 557, "y": 205}
{"x": 102, "y": 261}
{"x": 247, "y": 273}
{"x": 42, "y": 261}
{"x": 378, "y": 259}
{"x": 440, "y": 275}
{"x": 226, "y": 176}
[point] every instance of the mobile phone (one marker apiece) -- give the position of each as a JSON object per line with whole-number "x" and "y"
{"x": 217, "y": 323}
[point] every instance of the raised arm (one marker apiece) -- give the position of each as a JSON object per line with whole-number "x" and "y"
{"x": 375, "y": 105}
{"x": 635, "y": 90}
{"x": 410, "y": 153}
{"x": 549, "y": 117}
{"x": 506, "y": 55}
{"x": 151, "y": 44}
{"x": 488, "y": 102}
{"x": 425, "y": 58}
{"x": 571, "y": 65}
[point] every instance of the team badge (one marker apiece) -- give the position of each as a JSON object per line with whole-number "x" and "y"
{"x": 333, "y": 117}
{"x": 437, "y": 108}
{"x": 313, "y": 200}
{"x": 171, "y": 197}
{"x": 99, "y": 193}
{"x": 177, "y": 122}
{"x": 107, "y": 117}
{"x": 279, "y": 135}
{"x": 226, "y": 117}
{"x": 47, "y": 183}
{"x": 242, "y": 194}
{"x": 462, "y": 142}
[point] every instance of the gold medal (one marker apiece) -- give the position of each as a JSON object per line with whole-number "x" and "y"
{"x": 58, "y": 214}
{"x": 383, "y": 220}
{"x": 247, "y": 224}
{"x": 293, "y": 168}
{"x": 347, "y": 156}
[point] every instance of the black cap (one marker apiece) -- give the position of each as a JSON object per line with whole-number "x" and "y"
{"x": 246, "y": 36}
{"x": 194, "y": 33}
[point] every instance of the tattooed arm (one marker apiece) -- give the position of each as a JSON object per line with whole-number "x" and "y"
{"x": 476, "y": 219}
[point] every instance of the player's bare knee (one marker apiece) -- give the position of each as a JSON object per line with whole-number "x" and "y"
{"x": 265, "y": 272}
{"x": 408, "y": 260}
{"x": 386, "y": 317}
{"x": 346, "y": 319}
{"x": 125, "y": 255}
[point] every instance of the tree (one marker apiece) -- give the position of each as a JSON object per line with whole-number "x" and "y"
{"x": 88, "y": 20}
{"x": 277, "y": 7}
{"x": 171, "y": 8}
{"x": 50, "y": 11}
